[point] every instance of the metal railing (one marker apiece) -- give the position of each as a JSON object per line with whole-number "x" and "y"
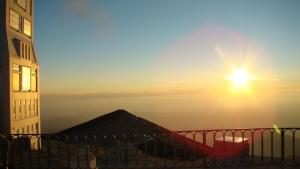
{"x": 179, "y": 149}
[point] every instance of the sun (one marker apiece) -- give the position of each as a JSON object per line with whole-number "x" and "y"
{"x": 240, "y": 79}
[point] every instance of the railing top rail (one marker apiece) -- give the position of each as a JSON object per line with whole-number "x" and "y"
{"x": 176, "y": 131}
{"x": 237, "y": 129}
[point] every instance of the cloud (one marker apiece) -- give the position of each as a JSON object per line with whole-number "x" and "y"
{"x": 80, "y": 7}
{"x": 87, "y": 10}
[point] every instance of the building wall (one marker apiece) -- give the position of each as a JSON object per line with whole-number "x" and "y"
{"x": 21, "y": 103}
{"x": 4, "y": 64}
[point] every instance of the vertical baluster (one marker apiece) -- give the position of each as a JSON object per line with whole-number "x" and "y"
{"x": 39, "y": 151}
{"x": 106, "y": 156}
{"x": 204, "y": 142}
{"x": 29, "y": 152}
{"x": 272, "y": 146}
{"x": 68, "y": 151}
{"x": 294, "y": 152}
{"x": 165, "y": 153}
{"x": 59, "y": 149}
{"x": 126, "y": 158}
{"x": 21, "y": 151}
{"x": 174, "y": 150}
{"x": 96, "y": 148}
{"x": 77, "y": 152}
{"x": 125, "y": 151}
{"x": 87, "y": 151}
{"x": 106, "y": 151}
{"x": 262, "y": 146}
{"x": 146, "y": 150}
{"x": 49, "y": 151}
{"x": 253, "y": 145}
{"x": 136, "y": 150}
{"x": 194, "y": 150}
{"x": 282, "y": 146}
{"x": 11, "y": 153}
{"x": 155, "y": 150}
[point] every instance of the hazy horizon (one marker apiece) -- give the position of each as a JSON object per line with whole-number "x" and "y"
{"x": 171, "y": 62}
{"x": 174, "y": 111}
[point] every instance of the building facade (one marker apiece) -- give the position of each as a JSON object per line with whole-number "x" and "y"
{"x": 19, "y": 69}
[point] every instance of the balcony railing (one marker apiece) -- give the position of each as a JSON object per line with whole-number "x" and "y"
{"x": 240, "y": 148}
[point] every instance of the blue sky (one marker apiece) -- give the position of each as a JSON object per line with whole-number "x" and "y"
{"x": 128, "y": 36}
{"x": 150, "y": 46}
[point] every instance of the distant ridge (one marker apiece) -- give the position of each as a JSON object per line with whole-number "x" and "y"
{"x": 123, "y": 122}
{"x": 119, "y": 121}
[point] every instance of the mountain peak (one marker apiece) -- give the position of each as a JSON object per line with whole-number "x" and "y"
{"x": 117, "y": 120}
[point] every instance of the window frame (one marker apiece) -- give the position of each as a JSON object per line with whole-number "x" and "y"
{"x": 19, "y": 18}
{"x": 30, "y": 24}
{"x": 19, "y": 72}
{"x": 34, "y": 74}
{"x": 23, "y": 7}
{"x": 22, "y": 86}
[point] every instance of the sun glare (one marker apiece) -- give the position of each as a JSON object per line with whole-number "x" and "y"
{"x": 240, "y": 79}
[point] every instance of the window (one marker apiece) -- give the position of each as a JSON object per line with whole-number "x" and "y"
{"x": 34, "y": 80}
{"x": 27, "y": 27}
{"x": 22, "y": 3}
{"x": 14, "y": 20}
{"x": 26, "y": 72}
{"x": 16, "y": 77}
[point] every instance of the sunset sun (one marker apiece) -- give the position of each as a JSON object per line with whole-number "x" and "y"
{"x": 240, "y": 79}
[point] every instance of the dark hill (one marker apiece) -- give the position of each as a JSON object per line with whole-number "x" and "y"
{"x": 140, "y": 133}
{"x": 117, "y": 122}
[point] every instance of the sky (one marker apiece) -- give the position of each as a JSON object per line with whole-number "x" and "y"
{"x": 168, "y": 61}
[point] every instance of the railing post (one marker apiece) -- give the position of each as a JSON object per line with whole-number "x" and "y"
{"x": 282, "y": 146}
{"x": 87, "y": 151}
{"x": 294, "y": 153}
{"x": 204, "y": 142}
{"x": 146, "y": 150}
{"x": 125, "y": 151}
{"x": 126, "y": 156}
{"x": 272, "y": 146}
{"x": 252, "y": 146}
{"x": 49, "y": 151}
{"x": 262, "y": 146}
{"x": 77, "y": 152}
{"x": 194, "y": 149}
{"x": 155, "y": 149}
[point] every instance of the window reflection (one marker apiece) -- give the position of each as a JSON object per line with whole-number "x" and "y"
{"x": 26, "y": 78}
{"x": 16, "y": 77}
{"x": 27, "y": 27}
